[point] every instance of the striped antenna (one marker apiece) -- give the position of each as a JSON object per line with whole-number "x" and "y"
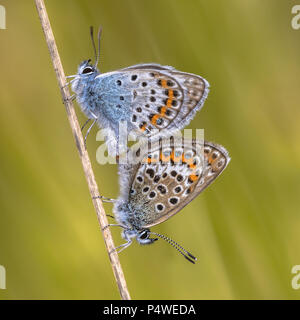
{"x": 178, "y": 247}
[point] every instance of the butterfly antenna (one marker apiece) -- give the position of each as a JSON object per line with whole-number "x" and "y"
{"x": 96, "y": 52}
{"x": 99, "y": 42}
{"x": 93, "y": 41}
{"x": 178, "y": 247}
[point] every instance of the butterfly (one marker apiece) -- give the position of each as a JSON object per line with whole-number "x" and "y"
{"x": 151, "y": 99}
{"x": 162, "y": 184}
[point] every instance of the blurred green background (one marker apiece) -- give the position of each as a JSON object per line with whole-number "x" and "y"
{"x": 244, "y": 228}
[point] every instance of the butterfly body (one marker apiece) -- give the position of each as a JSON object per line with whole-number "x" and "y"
{"x": 100, "y": 98}
{"x": 153, "y": 100}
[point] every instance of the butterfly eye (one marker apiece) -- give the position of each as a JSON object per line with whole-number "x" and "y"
{"x": 87, "y": 70}
{"x": 144, "y": 234}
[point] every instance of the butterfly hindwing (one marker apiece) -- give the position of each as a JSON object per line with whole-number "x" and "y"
{"x": 165, "y": 98}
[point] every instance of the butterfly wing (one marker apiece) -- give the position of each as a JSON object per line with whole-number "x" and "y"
{"x": 169, "y": 178}
{"x": 163, "y": 98}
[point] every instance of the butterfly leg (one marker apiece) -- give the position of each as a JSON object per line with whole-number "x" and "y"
{"x": 66, "y": 85}
{"x": 122, "y": 246}
{"x": 71, "y": 81}
{"x": 105, "y": 199}
{"x": 88, "y": 130}
{"x": 71, "y": 98}
{"x": 113, "y": 225}
{"x": 87, "y": 121}
{"x": 71, "y": 76}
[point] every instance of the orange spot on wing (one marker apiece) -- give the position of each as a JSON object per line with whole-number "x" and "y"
{"x": 170, "y": 99}
{"x": 143, "y": 128}
{"x": 163, "y": 111}
{"x": 149, "y": 160}
{"x": 192, "y": 166}
{"x": 193, "y": 177}
{"x": 185, "y": 160}
{"x": 164, "y": 83}
{"x": 154, "y": 118}
{"x": 210, "y": 160}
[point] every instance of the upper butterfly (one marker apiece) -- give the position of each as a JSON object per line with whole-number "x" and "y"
{"x": 153, "y": 100}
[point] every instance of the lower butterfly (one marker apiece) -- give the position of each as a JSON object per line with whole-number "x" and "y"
{"x": 165, "y": 180}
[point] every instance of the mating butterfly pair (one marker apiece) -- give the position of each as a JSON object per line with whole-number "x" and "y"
{"x": 154, "y": 101}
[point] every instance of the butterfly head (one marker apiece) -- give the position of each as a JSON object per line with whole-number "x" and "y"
{"x": 143, "y": 237}
{"x": 86, "y": 69}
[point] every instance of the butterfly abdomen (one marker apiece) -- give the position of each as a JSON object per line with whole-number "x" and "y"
{"x": 133, "y": 219}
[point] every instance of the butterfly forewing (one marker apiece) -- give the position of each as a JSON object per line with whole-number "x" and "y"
{"x": 169, "y": 178}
